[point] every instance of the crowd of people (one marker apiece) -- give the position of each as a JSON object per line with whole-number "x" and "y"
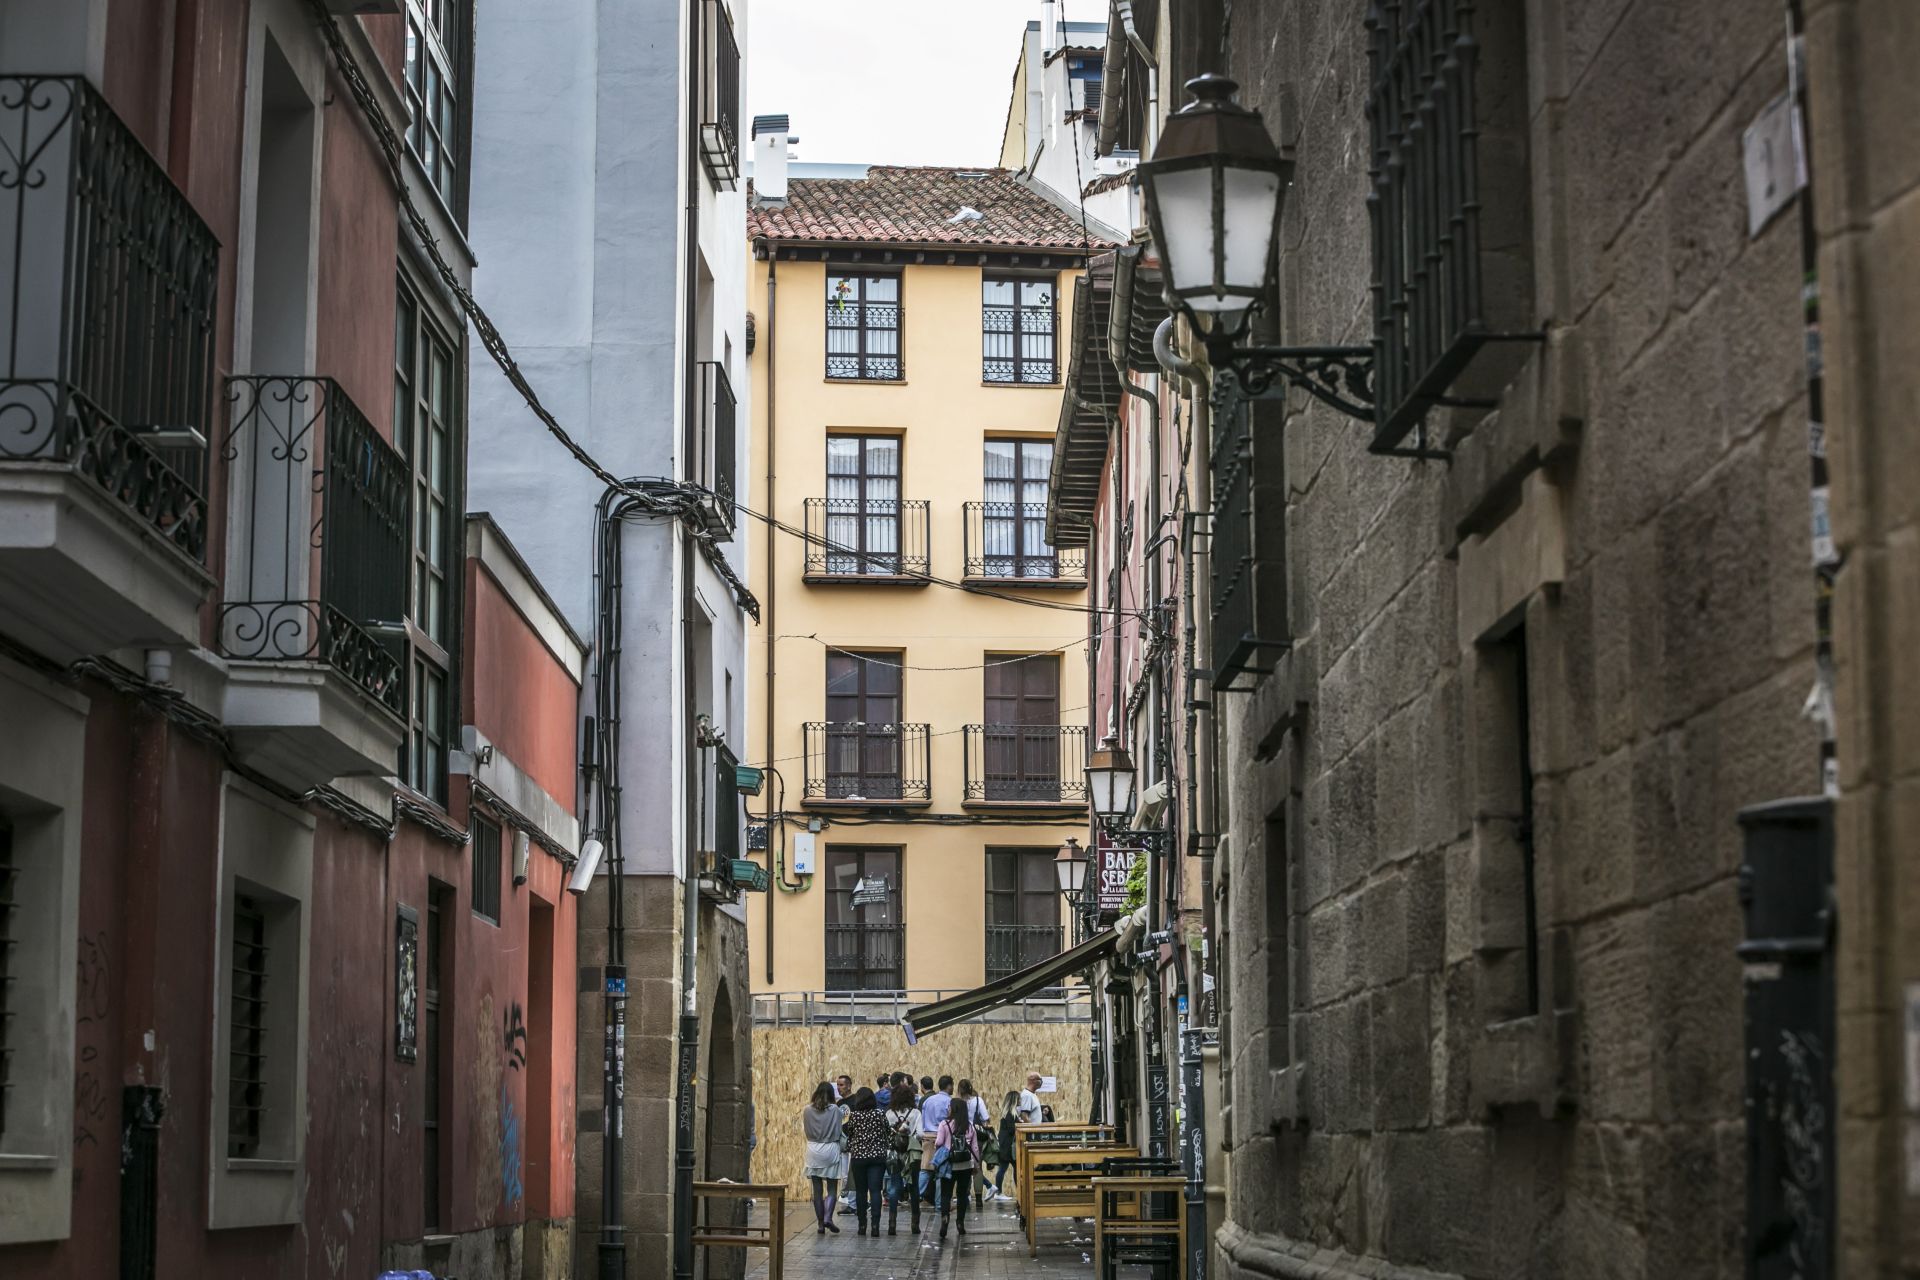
{"x": 928, "y": 1142}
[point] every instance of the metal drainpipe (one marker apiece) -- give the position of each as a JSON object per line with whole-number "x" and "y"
{"x": 689, "y": 890}
{"x": 774, "y": 819}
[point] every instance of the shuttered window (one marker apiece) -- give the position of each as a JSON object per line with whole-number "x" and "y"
{"x": 486, "y": 869}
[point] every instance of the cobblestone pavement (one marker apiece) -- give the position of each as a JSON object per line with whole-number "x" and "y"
{"x": 993, "y": 1248}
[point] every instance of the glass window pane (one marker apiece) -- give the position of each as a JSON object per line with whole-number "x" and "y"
{"x": 883, "y": 288}
{"x": 883, "y": 456}
{"x": 997, "y": 293}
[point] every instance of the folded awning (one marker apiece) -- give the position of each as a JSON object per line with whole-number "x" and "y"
{"x": 927, "y": 1018}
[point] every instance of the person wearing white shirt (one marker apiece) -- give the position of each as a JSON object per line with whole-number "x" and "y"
{"x": 1030, "y": 1100}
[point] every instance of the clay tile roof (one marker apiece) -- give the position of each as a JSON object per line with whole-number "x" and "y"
{"x": 901, "y": 205}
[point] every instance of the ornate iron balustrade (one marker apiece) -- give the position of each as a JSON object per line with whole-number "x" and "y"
{"x": 107, "y": 280}
{"x": 1017, "y": 344}
{"x": 319, "y": 499}
{"x": 1007, "y": 542}
{"x": 859, "y": 763}
{"x": 864, "y": 957}
{"x": 1013, "y": 947}
{"x": 720, "y": 118}
{"x": 1031, "y": 764}
{"x": 717, "y": 444}
{"x": 871, "y": 538}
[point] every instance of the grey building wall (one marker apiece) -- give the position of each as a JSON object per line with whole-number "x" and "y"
{"x": 1403, "y": 1099}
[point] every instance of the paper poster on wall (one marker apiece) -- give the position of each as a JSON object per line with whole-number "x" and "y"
{"x": 1049, "y": 1084}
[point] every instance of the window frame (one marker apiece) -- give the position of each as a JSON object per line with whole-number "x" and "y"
{"x": 866, "y": 562}
{"x": 485, "y": 854}
{"x": 1021, "y": 520}
{"x": 1022, "y": 898}
{"x": 862, "y": 357}
{"x": 833, "y": 907}
{"x": 432, "y": 643}
{"x": 1018, "y": 331}
{"x": 448, "y": 56}
{"x": 866, "y": 733}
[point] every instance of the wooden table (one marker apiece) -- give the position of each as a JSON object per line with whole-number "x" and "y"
{"x": 1125, "y": 1210}
{"x": 1056, "y": 1181}
{"x": 771, "y": 1237}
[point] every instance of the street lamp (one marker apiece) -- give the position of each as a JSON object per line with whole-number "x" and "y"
{"x": 1070, "y": 865}
{"x": 1213, "y": 191}
{"x": 1110, "y": 777}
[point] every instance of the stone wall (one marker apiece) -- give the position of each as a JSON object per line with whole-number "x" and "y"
{"x": 1435, "y": 1066}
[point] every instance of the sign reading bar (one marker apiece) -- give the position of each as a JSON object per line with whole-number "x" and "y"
{"x": 1110, "y": 867}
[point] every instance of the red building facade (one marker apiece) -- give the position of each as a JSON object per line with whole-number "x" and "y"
{"x": 287, "y": 805}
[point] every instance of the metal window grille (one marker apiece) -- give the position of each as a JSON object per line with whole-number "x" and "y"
{"x": 1009, "y": 540}
{"x": 857, "y": 762}
{"x": 108, "y": 282}
{"x": 247, "y": 1050}
{"x": 1431, "y": 307}
{"x": 1017, "y": 327}
{"x": 718, "y": 441}
{"x": 866, "y": 536}
{"x": 720, "y": 121}
{"x": 9, "y": 961}
{"x": 864, "y": 319}
{"x": 1026, "y": 764}
{"x": 486, "y": 869}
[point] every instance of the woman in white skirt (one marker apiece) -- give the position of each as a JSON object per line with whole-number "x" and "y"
{"x": 820, "y": 1125}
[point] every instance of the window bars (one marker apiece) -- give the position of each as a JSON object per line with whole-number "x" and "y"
{"x": 720, "y": 118}
{"x": 486, "y": 869}
{"x": 855, "y": 762}
{"x": 1017, "y": 328}
{"x": 107, "y": 302}
{"x": 247, "y": 1047}
{"x": 863, "y": 327}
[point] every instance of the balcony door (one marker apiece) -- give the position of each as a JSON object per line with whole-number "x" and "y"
{"x": 1014, "y": 515}
{"x": 1023, "y": 910}
{"x": 865, "y": 937}
{"x": 863, "y": 726}
{"x": 1022, "y": 731}
{"x": 863, "y": 505}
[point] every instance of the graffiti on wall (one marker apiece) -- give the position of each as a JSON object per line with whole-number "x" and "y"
{"x": 406, "y": 971}
{"x": 484, "y": 1096}
{"x": 516, "y": 1037}
{"x": 512, "y": 1177}
{"x": 92, "y": 1002}
{"x": 500, "y": 1175}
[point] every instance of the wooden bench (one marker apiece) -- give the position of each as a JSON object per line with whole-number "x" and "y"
{"x": 1076, "y": 1135}
{"x": 1136, "y": 1212}
{"x": 771, "y": 1237}
{"x": 1056, "y": 1181}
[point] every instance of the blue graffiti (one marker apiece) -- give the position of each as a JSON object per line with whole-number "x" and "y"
{"x": 513, "y": 1185}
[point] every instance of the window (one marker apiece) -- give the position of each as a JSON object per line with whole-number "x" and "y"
{"x": 433, "y": 973}
{"x": 1451, "y": 199}
{"x": 1085, "y": 71}
{"x": 247, "y": 1052}
{"x": 863, "y": 505}
{"x": 486, "y": 869}
{"x": 863, "y": 327}
{"x": 1023, "y": 909}
{"x": 1016, "y": 329}
{"x": 863, "y": 747}
{"x": 436, "y": 79}
{"x": 720, "y": 117}
{"x": 428, "y": 421}
{"x": 865, "y": 939}
{"x": 1021, "y": 734}
{"x": 9, "y": 939}
{"x": 1014, "y": 515}
{"x": 1510, "y": 941}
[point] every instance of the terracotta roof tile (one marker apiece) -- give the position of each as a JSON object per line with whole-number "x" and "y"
{"x": 902, "y": 205}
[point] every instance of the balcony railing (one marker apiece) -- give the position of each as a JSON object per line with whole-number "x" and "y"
{"x": 107, "y": 280}
{"x": 864, "y": 957}
{"x": 858, "y": 763}
{"x": 1026, "y": 764}
{"x": 321, "y": 509}
{"x": 720, "y": 117}
{"x": 851, "y": 538}
{"x": 842, "y": 1008}
{"x": 716, "y": 445}
{"x": 1007, "y": 542}
{"x": 1013, "y": 947}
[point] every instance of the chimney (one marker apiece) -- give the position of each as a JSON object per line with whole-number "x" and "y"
{"x": 770, "y": 139}
{"x": 1049, "y": 27}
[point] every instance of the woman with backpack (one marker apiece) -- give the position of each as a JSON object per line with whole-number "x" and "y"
{"x": 904, "y": 1136}
{"x": 956, "y": 1152}
{"x": 1009, "y": 1117}
{"x": 978, "y": 1114}
{"x": 820, "y": 1125}
{"x": 867, "y": 1150}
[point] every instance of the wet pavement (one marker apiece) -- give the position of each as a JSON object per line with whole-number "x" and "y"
{"x": 994, "y": 1246}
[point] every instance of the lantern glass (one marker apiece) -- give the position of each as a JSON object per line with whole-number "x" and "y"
{"x": 1110, "y": 780}
{"x": 1070, "y": 866}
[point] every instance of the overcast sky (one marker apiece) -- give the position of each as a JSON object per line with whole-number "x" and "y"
{"x": 891, "y": 81}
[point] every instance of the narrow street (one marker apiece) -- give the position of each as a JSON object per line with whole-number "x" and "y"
{"x": 994, "y": 1246}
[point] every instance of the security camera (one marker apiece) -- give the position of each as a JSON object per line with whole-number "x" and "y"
{"x": 590, "y": 854}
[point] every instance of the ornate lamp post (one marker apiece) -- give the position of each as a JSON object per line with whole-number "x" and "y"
{"x": 1070, "y": 867}
{"x": 1214, "y": 190}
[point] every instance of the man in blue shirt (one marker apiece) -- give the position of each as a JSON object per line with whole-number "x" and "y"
{"x": 933, "y": 1109}
{"x": 882, "y": 1094}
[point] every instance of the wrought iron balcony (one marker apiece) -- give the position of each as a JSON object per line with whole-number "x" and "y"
{"x": 320, "y": 503}
{"x": 1006, "y": 544}
{"x": 107, "y": 280}
{"x": 1013, "y": 947}
{"x": 872, "y": 540}
{"x": 1042, "y": 765}
{"x": 720, "y": 115}
{"x": 866, "y": 764}
{"x": 866, "y": 957}
{"x": 715, "y": 448}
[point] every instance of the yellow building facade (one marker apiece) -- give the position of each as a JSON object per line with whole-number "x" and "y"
{"x": 918, "y": 684}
